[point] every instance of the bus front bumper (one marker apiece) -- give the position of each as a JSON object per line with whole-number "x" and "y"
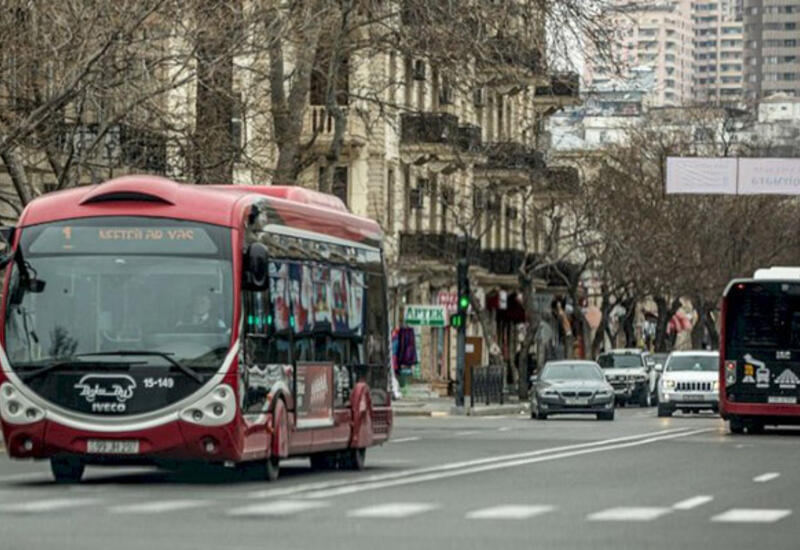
{"x": 175, "y": 440}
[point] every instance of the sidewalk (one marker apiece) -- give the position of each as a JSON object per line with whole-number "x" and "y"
{"x": 445, "y": 406}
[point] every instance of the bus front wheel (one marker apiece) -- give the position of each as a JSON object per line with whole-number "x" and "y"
{"x": 736, "y": 425}
{"x": 67, "y": 470}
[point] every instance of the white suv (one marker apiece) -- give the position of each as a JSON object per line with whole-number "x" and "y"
{"x": 690, "y": 382}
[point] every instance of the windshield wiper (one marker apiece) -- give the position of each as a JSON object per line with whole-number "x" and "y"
{"x": 188, "y": 371}
{"x": 26, "y": 376}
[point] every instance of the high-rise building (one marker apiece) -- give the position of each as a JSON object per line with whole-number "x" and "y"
{"x": 718, "y": 43}
{"x": 656, "y": 34}
{"x": 771, "y": 47}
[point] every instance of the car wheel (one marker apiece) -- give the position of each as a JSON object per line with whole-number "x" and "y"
{"x": 644, "y": 398}
{"x": 605, "y": 415}
{"x": 664, "y": 411}
{"x": 541, "y": 415}
{"x": 67, "y": 470}
{"x": 354, "y": 459}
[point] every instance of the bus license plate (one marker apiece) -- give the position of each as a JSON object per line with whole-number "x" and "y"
{"x": 112, "y": 446}
{"x": 783, "y": 400}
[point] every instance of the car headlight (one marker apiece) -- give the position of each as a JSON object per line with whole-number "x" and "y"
{"x": 549, "y": 393}
{"x": 716, "y": 385}
{"x": 669, "y": 384}
{"x": 604, "y": 393}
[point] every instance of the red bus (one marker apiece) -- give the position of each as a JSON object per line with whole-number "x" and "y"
{"x": 149, "y": 322}
{"x": 759, "y": 375}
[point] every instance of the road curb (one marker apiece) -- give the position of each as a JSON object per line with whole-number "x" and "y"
{"x": 500, "y": 409}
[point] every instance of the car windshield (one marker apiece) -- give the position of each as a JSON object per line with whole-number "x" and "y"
{"x": 113, "y": 286}
{"x": 572, "y": 371}
{"x": 705, "y": 363}
{"x": 620, "y": 361}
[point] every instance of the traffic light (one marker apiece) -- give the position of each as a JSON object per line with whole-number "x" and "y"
{"x": 459, "y": 319}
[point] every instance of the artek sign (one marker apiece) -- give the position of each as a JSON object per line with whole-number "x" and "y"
{"x": 428, "y": 316}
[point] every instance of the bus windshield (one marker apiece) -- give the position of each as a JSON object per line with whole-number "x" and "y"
{"x": 764, "y": 315}
{"x": 121, "y": 290}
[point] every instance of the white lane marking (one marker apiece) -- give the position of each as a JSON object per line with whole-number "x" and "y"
{"x": 769, "y": 476}
{"x": 404, "y": 440}
{"x": 748, "y": 515}
{"x": 26, "y": 475}
{"x": 302, "y": 488}
{"x": 158, "y": 507}
{"x": 278, "y": 508}
{"x": 693, "y": 502}
{"x": 393, "y": 510}
{"x": 40, "y": 506}
{"x": 469, "y": 432}
{"x": 511, "y": 511}
{"x": 435, "y": 476}
{"x": 632, "y": 513}
{"x": 504, "y": 429}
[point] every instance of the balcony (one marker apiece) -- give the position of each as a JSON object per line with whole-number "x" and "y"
{"x": 440, "y": 247}
{"x": 563, "y": 89}
{"x": 512, "y": 163}
{"x": 428, "y": 137}
{"x": 319, "y": 125}
{"x": 469, "y": 138}
{"x": 502, "y": 262}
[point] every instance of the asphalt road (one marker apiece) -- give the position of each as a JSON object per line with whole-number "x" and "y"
{"x": 452, "y": 482}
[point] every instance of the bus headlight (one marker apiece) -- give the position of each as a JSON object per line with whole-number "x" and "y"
{"x": 216, "y": 408}
{"x": 16, "y": 408}
{"x": 730, "y": 372}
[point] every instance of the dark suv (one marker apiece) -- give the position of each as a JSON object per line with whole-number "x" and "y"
{"x": 630, "y": 374}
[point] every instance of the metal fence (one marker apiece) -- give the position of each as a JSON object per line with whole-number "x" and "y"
{"x": 486, "y": 385}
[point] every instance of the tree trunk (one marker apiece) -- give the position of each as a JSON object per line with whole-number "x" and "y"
{"x": 665, "y": 313}
{"x": 214, "y": 150}
{"x": 699, "y": 327}
{"x": 711, "y": 328}
{"x": 19, "y": 178}
{"x": 532, "y": 321}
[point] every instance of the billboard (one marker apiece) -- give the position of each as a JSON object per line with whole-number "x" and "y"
{"x": 773, "y": 176}
{"x": 733, "y": 176}
{"x": 701, "y": 175}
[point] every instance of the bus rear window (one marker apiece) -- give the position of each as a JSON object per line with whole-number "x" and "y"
{"x": 764, "y": 315}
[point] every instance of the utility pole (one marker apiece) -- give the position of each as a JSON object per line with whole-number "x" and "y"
{"x": 459, "y": 322}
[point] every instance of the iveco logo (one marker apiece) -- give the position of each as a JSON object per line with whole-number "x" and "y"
{"x": 115, "y": 386}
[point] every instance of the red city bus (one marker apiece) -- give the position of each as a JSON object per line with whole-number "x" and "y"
{"x": 759, "y": 375}
{"x": 148, "y": 322}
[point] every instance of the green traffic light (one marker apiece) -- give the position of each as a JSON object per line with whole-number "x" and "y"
{"x": 463, "y": 302}
{"x": 456, "y": 321}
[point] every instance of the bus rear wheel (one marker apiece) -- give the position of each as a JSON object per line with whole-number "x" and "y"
{"x": 67, "y": 470}
{"x": 354, "y": 459}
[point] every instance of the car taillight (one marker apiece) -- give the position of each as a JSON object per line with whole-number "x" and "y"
{"x": 730, "y": 372}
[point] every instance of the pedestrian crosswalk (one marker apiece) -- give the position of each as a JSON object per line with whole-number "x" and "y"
{"x": 300, "y": 508}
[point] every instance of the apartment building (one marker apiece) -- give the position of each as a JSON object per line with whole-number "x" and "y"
{"x": 656, "y": 34}
{"x": 718, "y": 51}
{"x": 771, "y": 47}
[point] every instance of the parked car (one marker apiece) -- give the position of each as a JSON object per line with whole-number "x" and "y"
{"x": 690, "y": 382}
{"x": 628, "y": 371}
{"x": 569, "y": 387}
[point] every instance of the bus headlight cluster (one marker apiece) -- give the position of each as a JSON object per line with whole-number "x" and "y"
{"x": 16, "y": 409}
{"x": 216, "y": 408}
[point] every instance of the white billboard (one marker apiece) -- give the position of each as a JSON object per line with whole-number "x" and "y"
{"x": 769, "y": 176}
{"x": 701, "y": 175}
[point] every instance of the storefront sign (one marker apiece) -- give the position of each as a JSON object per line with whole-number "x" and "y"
{"x": 426, "y": 316}
{"x": 448, "y": 299}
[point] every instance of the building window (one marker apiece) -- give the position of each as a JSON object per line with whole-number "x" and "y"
{"x": 339, "y": 187}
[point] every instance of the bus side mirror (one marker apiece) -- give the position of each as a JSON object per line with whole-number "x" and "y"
{"x": 254, "y": 270}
